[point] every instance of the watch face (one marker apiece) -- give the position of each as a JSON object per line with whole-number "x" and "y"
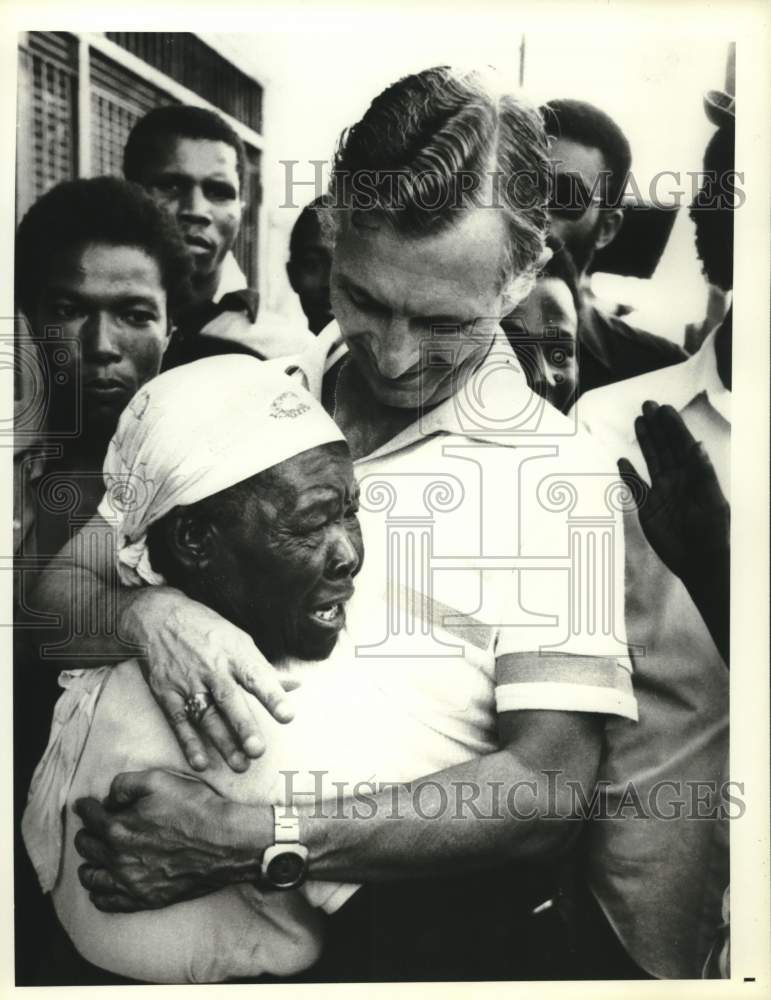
{"x": 285, "y": 869}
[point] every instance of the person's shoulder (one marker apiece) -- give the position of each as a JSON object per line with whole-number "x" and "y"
{"x": 633, "y": 336}
{"x": 568, "y": 442}
{"x": 276, "y": 336}
{"x": 614, "y": 407}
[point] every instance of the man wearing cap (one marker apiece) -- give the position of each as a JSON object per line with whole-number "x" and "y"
{"x": 448, "y": 438}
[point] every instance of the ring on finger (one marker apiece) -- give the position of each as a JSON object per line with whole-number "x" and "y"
{"x": 196, "y": 706}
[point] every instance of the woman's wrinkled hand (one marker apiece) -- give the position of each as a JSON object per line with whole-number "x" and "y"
{"x": 189, "y": 649}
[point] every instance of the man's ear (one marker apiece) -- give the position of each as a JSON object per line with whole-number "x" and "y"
{"x": 516, "y": 290}
{"x": 170, "y": 327}
{"x": 611, "y": 220}
{"x": 291, "y": 273}
{"x": 191, "y": 540}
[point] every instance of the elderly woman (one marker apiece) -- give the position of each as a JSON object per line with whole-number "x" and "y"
{"x": 245, "y": 500}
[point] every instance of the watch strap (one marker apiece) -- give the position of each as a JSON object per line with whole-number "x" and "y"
{"x": 286, "y": 825}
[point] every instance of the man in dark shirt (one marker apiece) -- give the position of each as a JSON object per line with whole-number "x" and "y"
{"x": 591, "y": 159}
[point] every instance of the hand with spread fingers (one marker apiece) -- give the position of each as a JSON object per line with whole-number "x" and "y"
{"x": 684, "y": 513}
{"x": 158, "y": 838}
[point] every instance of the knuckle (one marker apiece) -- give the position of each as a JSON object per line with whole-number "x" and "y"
{"x": 191, "y": 745}
{"x": 244, "y": 726}
{"x": 222, "y": 693}
{"x": 114, "y": 831}
{"x": 221, "y": 662}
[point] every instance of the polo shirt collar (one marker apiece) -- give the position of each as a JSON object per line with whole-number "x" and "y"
{"x": 500, "y": 395}
{"x": 699, "y": 375}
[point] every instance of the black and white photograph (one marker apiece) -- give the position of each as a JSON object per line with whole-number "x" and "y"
{"x": 373, "y": 443}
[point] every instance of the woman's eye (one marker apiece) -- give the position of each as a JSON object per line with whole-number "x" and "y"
{"x": 311, "y": 527}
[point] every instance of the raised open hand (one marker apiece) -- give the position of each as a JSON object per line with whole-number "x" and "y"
{"x": 684, "y": 514}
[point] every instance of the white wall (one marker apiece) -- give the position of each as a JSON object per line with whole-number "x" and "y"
{"x": 322, "y": 70}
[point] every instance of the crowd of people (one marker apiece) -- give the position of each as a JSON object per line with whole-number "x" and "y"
{"x": 261, "y": 735}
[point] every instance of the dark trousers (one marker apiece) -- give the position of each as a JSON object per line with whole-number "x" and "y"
{"x": 477, "y": 927}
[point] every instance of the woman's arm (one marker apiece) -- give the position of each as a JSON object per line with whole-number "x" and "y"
{"x": 183, "y": 646}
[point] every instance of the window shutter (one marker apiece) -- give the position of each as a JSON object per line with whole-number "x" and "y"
{"x": 46, "y": 115}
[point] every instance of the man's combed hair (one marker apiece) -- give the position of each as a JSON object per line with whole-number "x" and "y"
{"x": 586, "y": 124}
{"x": 441, "y": 142}
{"x": 150, "y": 136}
{"x": 100, "y": 210}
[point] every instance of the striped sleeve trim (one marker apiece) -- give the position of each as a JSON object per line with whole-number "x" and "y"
{"x": 564, "y": 683}
{"x": 524, "y": 668}
{"x": 565, "y": 698}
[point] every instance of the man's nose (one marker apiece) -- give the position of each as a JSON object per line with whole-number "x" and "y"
{"x": 395, "y": 348}
{"x": 194, "y": 205}
{"x": 343, "y": 555}
{"x": 99, "y": 338}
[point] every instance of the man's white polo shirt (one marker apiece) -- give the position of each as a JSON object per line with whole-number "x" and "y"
{"x": 494, "y": 558}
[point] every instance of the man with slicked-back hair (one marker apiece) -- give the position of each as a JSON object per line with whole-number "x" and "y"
{"x": 438, "y": 216}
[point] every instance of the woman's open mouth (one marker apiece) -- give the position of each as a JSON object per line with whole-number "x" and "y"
{"x": 329, "y": 613}
{"x": 328, "y": 616}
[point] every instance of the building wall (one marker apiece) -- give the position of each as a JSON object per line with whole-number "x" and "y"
{"x": 81, "y": 94}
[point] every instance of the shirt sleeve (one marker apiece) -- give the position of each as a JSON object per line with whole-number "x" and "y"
{"x": 562, "y": 643}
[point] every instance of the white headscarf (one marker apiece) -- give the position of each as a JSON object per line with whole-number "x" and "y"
{"x": 194, "y": 431}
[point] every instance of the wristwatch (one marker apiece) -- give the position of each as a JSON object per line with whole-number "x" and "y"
{"x": 285, "y": 864}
